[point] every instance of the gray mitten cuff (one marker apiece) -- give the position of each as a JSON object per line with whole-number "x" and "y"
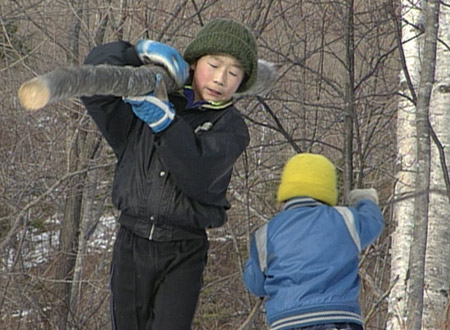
{"x": 358, "y": 194}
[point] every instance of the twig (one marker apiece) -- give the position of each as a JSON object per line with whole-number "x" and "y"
{"x": 252, "y": 315}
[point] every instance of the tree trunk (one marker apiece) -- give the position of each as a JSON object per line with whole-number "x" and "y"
{"x": 349, "y": 101}
{"x": 437, "y": 262}
{"x": 88, "y": 145}
{"x": 430, "y": 252}
{"x": 69, "y": 238}
{"x": 72, "y": 210}
{"x": 420, "y": 232}
{"x": 403, "y": 209}
{"x": 90, "y": 217}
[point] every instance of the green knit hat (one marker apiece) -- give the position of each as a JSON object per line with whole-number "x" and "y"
{"x": 226, "y": 36}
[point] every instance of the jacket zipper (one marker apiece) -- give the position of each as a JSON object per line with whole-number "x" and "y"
{"x": 152, "y": 230}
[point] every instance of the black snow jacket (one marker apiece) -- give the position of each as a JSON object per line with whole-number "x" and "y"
{"x": 171, "y": 185}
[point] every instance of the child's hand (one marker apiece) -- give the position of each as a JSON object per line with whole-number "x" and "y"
{"x": 150, "y": 51}
{"x": 157, "y": 112}
{"x": 359, "y": 194}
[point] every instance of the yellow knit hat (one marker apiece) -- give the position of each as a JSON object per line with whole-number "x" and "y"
{"x": 308, "y": 175}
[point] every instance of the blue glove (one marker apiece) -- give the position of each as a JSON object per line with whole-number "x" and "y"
{"x": 150, "y": 51}
{"x": 157, "y": 113}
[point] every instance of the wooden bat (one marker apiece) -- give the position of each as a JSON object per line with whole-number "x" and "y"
{"x": 89, "y": 80}
{"x": 125, "y": 81}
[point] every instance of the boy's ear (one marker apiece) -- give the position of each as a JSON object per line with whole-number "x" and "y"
{"x": 265, "y": 79}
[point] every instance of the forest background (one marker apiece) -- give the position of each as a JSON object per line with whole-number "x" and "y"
{"x": 365, "y": 83}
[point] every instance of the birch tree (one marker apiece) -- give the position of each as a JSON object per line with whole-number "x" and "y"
{"x": 420, "y": 248}
{"x": 422, "y": 180}
{"x": 437, "y": 262}
{"x": 403, "y": 210}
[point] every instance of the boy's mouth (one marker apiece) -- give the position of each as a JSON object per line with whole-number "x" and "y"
{"x": 214, "y": 92}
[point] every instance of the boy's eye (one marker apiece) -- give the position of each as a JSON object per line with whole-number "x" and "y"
{"x": 213, "y": 65}
{"x": 234, "y": 74}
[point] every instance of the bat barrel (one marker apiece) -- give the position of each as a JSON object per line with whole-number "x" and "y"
{"x": 89, "y": 80}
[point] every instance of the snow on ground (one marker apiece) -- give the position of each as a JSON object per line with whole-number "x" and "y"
{"x": 40, "y": 246}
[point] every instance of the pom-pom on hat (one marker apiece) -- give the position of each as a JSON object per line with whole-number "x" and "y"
{"x": 308, "y": 175}
{"x": 227, "y": 36}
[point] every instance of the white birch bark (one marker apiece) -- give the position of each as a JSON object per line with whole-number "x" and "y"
{"x": 416, "y": 281}
{"x": 437, "y": 262}
{"x": 406, "y": 148}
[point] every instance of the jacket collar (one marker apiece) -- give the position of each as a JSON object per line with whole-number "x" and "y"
{"x": 189, "y": 94}
{"x": 299, "y": 202}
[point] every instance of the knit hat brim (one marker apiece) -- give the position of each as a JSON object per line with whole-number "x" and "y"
{"x": 307, "y": 189}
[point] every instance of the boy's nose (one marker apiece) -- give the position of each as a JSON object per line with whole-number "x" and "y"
{"x": 220, "y": 77}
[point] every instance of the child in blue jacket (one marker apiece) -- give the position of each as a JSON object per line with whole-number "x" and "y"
{"x": 305, "y": 259}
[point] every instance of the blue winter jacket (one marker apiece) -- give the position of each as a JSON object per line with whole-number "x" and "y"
{"x": 305, "y": 260}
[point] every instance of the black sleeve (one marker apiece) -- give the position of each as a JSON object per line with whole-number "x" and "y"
{"x": 202, "y": 164}
{"x": 113, "y": 117}
{"x": 119, "y": 53}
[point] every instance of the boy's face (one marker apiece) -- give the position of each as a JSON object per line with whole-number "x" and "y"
{"x": 216, "y": 77}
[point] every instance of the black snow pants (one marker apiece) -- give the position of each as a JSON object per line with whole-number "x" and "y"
{"x": 155, "y": 285}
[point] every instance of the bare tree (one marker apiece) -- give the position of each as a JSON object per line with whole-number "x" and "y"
{"x": 349, "y": 101}
{"x": 338, "y": 65}
{"x": 72, "y": 210}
